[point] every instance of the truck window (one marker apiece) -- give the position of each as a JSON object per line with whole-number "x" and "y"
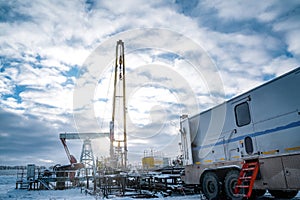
{"x": 242, "y": 114}
{"x": 248, "y": 145}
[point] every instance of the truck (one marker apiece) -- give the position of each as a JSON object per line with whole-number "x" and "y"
{"x": 246, "y": 145}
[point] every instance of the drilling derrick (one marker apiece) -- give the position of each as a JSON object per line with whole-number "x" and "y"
{"x": 118, "y": 138}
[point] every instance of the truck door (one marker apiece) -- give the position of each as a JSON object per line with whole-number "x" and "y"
{"x": 186, "y": 141}
{"x": 244, "y": 127}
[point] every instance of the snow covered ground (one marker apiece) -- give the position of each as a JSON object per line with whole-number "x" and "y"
{"x": 8, "y": 191}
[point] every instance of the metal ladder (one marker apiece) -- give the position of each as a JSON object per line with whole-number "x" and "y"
{"x": 246, "y": 179}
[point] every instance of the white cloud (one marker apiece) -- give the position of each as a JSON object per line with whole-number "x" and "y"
{"x": 5, "y": 87}
{"x": 246, "y": 40}
{"x": 240, "y": 10}
{"x": 13, "y": 104}
{"x": 293, "y": 41}
{"x": 280, "y": 65}
{"x": 46, "y": 161}
{"x": 4, "y": 134}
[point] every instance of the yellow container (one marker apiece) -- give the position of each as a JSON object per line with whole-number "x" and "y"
{"x": 148, "y": 162}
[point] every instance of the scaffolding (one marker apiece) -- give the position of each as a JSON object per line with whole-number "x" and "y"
{"x": 87, "y": 158}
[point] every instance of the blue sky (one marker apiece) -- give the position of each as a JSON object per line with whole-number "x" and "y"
{"x": 44, "y": 44}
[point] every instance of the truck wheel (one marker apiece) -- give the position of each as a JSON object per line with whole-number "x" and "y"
{"x": 283, "y": 194}
{"x": 229, "y": 184}
{"x": 210, "y": 186}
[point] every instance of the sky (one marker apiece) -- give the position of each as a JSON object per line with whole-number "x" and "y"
{"x": 182, "y": 57}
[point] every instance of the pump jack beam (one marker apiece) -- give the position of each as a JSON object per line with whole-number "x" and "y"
{"x": 82, "y": 136}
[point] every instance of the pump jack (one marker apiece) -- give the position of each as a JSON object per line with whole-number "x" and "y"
{"x": 87, "y": 157}
{"x": 73, "y": 166}
{"x": 73, "y": 162}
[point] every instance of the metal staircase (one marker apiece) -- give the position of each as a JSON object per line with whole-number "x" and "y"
{"x": 24, "y": 185}
{"x": 246, "y": 179}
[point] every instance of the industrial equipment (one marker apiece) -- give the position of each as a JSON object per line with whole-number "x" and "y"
{"x": 87, "y": 157}
{"x": 118, "y": 135}
{"x": 154, "y": 160}
{"x": 256, "y": 148}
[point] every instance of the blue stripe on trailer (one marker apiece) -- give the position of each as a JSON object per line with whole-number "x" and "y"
{"x": 265, "y": 132}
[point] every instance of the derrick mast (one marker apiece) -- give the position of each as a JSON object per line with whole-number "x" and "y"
{"x": 118, "y": 137}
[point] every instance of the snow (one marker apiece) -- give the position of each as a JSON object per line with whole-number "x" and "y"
{"x": 8, "y": 191}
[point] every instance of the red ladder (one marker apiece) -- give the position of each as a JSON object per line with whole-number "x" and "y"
{"x": 246, "y": 179}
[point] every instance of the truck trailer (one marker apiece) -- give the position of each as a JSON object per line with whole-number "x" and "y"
{"x": 246, "y": 145}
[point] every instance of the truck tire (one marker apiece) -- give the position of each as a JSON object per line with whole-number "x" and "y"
{"x": 210, "y": 186}
{"x": 229, "y": 184}
{"x": 283, "y": 194}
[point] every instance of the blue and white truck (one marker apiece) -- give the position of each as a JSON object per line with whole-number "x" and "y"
{"x": 248, "y": 144}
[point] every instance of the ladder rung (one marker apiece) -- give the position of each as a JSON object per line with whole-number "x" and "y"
{"x": 245, "y": 178}
{"x": 242, "y": 186}
{"x": 248, "y": 169}
{"x": 252, "y": 163}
